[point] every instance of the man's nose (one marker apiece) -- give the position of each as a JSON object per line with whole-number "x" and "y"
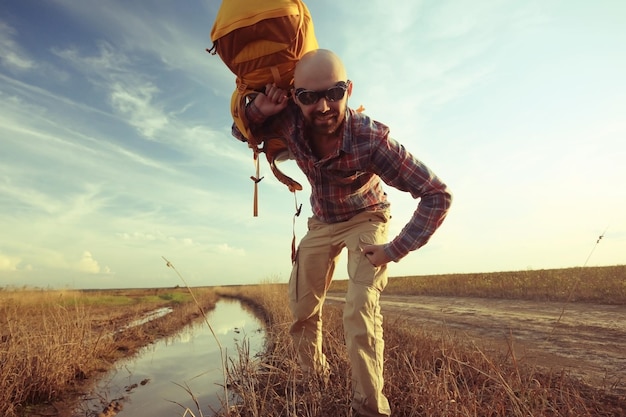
{"x": 322, "y": 105}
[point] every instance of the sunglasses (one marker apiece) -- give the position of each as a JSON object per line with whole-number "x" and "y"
{"x": 335, "y": 93}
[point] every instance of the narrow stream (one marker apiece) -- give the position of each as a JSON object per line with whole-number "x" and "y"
{"x": 163, "y": 379}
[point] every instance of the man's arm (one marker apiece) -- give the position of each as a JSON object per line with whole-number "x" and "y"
{"x": 264, "y": 105}
{"x": 431, "y": 211}
{"x": 400, "y": 169}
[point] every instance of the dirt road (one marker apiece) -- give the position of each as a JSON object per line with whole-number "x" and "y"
{"x": 588, "y": 340}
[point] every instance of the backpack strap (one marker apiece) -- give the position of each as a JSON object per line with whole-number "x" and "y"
{"x": 275, "y": 151}
{"x": 257, "y": 179}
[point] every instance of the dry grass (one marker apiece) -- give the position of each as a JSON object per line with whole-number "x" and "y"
{"x": 427, "y": 374}
{"x": 53, "y": 341}
{"x": 605, "y": 285}
{"x": 38, "y": 331}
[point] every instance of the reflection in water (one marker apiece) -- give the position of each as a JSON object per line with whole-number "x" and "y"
{"x": 160, "y": 381}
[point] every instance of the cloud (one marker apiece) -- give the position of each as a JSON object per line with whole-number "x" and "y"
{"x": 130, "y": 93}
{"x": 11, "y": 54}
{"x": 89, "y": 265}
{"x": 106, "y": 63}
{"x": 26, "y": 197}
{"x": 155, "y": 237}
{"x": 135, "y": 103}
{"x": 133, "y": 96}
{"x": 49, "y": 259}
{"x": 9, "y": 263}
{"x": 225, "y": 248}
{"x": 165, "y": 31}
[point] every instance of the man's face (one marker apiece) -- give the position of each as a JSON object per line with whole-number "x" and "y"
{"x": 323, "y": 104}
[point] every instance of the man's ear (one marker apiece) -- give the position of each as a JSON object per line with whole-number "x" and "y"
{"x": 349, "y": 88}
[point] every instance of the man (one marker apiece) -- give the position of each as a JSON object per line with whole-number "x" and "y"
{"x": 345, "y": 156}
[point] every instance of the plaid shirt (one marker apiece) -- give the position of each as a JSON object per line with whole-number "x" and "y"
{"x": 348, "y": 181}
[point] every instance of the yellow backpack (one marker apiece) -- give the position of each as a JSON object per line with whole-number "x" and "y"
{"x": 260, "y": 41}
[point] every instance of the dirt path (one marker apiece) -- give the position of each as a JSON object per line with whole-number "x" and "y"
{"x": 588, "y": 340}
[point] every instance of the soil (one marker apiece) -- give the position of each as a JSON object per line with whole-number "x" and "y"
{"x": 588, "y": 341}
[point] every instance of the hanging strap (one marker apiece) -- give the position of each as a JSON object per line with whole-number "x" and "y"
{"x": 256, "y": 179}
{"x": 293, "y": 227}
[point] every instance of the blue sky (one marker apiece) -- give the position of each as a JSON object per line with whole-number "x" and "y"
{"x": 115, "y": 146}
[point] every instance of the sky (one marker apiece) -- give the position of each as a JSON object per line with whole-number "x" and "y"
{"x": 115, "y": 144}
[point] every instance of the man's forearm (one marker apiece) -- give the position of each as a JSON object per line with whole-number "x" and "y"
{"x": 430, "y": 213}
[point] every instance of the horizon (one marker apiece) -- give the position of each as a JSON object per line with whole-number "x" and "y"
{"x": 183, "y": 286}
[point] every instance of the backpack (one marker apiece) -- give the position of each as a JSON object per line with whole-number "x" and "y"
{"x": 260, "y": 41}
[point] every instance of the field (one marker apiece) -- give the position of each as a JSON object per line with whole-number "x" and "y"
{"x": 51, "y": 342}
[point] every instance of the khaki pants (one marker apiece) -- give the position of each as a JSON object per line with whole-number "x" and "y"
{"x": 312, "y": 273}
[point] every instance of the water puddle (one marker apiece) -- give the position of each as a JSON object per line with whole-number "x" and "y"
{"x": 160, "y": 312}
{"x": 166, "y": 377}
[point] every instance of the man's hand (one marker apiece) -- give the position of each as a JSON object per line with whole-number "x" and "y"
{"x": 273, "y": 101}
{"x": 376, "y": 254}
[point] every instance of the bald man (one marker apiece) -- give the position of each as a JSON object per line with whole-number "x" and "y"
{"x": 346, "y": 156}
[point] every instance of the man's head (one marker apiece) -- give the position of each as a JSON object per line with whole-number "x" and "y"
{"x": 321, "y": 90}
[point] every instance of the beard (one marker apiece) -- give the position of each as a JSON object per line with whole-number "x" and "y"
{"x": 327, "y": 123}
